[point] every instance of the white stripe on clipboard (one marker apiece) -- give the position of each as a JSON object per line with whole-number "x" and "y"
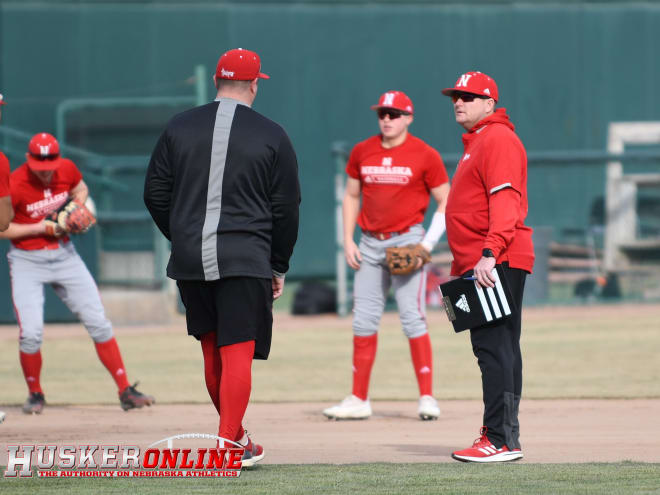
{"x": 500, "y": 293}
{"x": 482, "y": 300}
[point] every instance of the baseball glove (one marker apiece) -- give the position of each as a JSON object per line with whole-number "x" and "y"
{"x": 73, "y": 218}
{"x": 404, "y": 260}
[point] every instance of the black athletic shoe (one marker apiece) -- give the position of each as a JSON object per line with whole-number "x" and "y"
{"x": 34, "y": 403}
{"x": 131, "y": 398}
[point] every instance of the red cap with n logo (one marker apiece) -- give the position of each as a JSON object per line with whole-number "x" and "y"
{"x": 43, "y": 152}
{"x": 396, "y": 100}
{"x": 474, "y": 82}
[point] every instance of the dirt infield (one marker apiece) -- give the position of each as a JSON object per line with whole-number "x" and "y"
{"x": 553, "y": 431}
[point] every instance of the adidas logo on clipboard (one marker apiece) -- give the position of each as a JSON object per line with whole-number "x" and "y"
{"x": 462, "y": 304}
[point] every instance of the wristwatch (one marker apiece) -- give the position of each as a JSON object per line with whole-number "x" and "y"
{"x": 487, "y": 253}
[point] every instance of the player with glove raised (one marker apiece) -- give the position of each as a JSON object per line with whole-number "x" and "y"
{"x": 394, "y": 173}
{"x": 48, "y": 196}
{"x": 74, "y": 217}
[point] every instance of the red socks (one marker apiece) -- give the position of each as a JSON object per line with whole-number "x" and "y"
{"x": 108, "y": 354}
{"x": 212, "y": 367}
{"x": 235, "y": 387}
{"x": 111, "y": 358}
{"x": 364, "y": 355}
{"x": 31, "y": 364}
{"x": 213, "y": 376}
{"x": 422, "y": 358}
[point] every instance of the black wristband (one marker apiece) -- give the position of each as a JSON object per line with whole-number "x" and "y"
{"x": 487, "y": 253}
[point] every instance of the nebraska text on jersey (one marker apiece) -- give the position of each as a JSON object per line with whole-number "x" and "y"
{"x": 386, "y": 175}
{"x": 46, "y": 205}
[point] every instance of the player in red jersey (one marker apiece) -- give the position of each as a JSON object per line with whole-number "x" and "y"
{"x": 486, "y": 212}
{"x": 6, "y": 210}
{"x": 394, "y": 173}
{"x": 42, "y": 253}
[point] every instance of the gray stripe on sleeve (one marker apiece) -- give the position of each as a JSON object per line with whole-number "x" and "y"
{"x": 500, "y": 187}
{"x": 223, "y": 120}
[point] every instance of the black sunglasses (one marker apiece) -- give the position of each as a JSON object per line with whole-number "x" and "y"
{"x": 47, "y": 158}
{"x": 393, "y": 114}
{"x": 467, "y": 97}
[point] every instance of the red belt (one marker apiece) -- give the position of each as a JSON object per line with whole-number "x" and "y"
{"x": 385, "y": 235}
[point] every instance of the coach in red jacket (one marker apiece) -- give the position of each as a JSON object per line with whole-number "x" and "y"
{"x": 485, "y": 216}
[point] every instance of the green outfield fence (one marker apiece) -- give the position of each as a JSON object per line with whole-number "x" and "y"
{"x": 125, "y": 227}
{"x": 115, "y": 72}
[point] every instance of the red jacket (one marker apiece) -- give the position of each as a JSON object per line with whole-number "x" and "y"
{"x": 487, "y": 203}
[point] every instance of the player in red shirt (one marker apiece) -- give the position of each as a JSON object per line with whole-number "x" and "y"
{"x": 6, "y": 210}
{"x": 485, "y": 215}
{"x": 395, "y": 173}
{"x": 41, "y": 254}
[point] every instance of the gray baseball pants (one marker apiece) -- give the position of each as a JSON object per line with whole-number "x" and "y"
{"x": 373, "y": 281}
{"x": 66, "y": 272}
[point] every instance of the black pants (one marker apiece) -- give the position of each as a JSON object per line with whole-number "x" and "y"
{"x": 497, "y": 348}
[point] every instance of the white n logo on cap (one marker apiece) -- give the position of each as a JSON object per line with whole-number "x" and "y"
{"x": 463, "y": 81}
{"x": 388, "y": 99}
{"x": 44, "y": 150}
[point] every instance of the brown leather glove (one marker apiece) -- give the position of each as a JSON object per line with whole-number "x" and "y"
{"x": 74, "y": 218}
{"x": 406, "y": 259}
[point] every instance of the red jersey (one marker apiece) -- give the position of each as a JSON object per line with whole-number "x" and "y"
{"x": 4, "y": 175}
{"x": 395, "y": 182}
{"x": 32, "y": 200}
{"x": 487, "y": 204}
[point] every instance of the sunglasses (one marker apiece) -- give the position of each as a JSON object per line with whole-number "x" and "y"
{"x": 393, "y": 114}
{"x": 467, "y": 97}
{"x": 47, "y": 158}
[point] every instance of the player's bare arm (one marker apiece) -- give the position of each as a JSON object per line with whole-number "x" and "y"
{"x": 440, "y": 195}
{"x": 437, "y": 227}
{"x": 79, "y": 192}
{"x": 20, "y": 230}
{"x": 6, "y": 212}
{"x": 350, "y": 211}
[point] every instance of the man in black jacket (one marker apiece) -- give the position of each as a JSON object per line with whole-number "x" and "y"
{"x": 222, "y": 186}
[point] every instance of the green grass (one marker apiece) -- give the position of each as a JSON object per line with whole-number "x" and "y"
{"x": 569, "y": 354}
{"x": 365, "y": 479}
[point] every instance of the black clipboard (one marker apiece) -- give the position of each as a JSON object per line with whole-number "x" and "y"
{"x": 470, "y": 306}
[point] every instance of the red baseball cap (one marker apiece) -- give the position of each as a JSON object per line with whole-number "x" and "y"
{"x": 239, "y": 65}
{"x": 397, "y": 100}
{"x": 474, "y": 82}
{"x": 43, "y": 152}
{"x": 2, "y": 100}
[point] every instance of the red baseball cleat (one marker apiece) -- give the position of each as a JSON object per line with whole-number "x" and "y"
{"x": 253, "y": 453}
{"x": 483, "y": 450}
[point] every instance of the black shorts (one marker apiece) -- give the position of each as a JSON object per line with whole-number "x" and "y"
{"x": 238, "y": 309}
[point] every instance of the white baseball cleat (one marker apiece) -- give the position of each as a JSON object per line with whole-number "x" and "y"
{"x": 2, "y": 416}
{"x": 428, "y": 408}
{"x": 351, "y": 407}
